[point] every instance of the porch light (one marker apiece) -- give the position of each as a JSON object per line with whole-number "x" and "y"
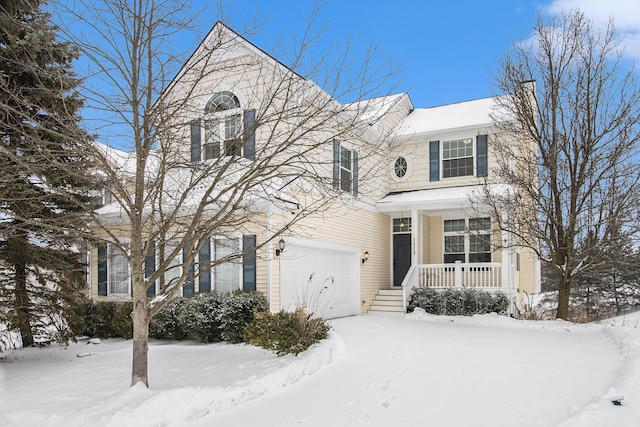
{"x": 281, "y": 246}
{"x": 365, "y": 257}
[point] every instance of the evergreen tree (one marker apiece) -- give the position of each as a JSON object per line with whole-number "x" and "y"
{"x": 44, "y": 181}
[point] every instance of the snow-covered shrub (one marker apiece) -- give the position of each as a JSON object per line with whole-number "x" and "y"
{"x": 236, "y": 310}
{"x": 425, "y": 298}
{"x": 286, "y": 332}
{"x": 198, "y": 317}
{"x": 108, "y": 319}
{"x": 122, "y": 323}
{"x": 165, "y": 324}
{"x": 457, "y": 302}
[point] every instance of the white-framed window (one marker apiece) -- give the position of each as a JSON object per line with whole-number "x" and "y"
{"x": 222, "y": 126}
{"x": 401, "y": 168}
{"x": 227, "y": 276}
{"x": 223, "y": 277}
{"x": 114, "y": 277}
{"x": 225, "y": 129}
{"x": 345, "y": 169}
{"x": 457, "y": 158}
{"x": 402, "y": 225}
{"x": 460, "y": 157}
{"x": 467, "y": 240}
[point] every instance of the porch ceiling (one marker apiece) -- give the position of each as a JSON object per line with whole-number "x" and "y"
{"x": 436, "y": 199}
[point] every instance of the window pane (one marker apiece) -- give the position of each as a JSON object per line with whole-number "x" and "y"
{"x": 212, "y": 131}
{"x": 400, "y": 167}
{"x": 479, "y": 224}
{"x": 480, "y": 258}
{"x": 345, "y": 158}
{"x": 222, "y": 101}
{"x": 480, "y": 243}
{"x": 232, "y": 127}
{"x": 212, "y": 151}
{"x": 345, "y": 180}
{"x": 118, "y": 272}
{"x": 227, "y": 275}
{"x": 453, "y": 244}
{"x": 401, "y": 225}
{"x": 450, "y": 258}
{"x": 457, "y": 167}
{"x": 453, "y": 225}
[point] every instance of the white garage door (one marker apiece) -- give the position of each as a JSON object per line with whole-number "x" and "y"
{"x": 324, "y": 278}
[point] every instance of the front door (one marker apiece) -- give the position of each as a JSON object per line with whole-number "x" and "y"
{"x": 401, "y": 257}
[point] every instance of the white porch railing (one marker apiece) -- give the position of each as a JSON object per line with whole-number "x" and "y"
{"x": 469, "y": 275}
{"x": 481, "y": 275}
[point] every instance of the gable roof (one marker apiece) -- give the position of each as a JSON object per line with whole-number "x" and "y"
{"x": 220, "y": 29}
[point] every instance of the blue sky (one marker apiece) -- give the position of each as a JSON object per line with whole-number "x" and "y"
{"x": 446, "y": 50}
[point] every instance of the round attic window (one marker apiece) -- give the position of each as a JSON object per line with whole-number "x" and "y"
{"x": 400, "y": 168}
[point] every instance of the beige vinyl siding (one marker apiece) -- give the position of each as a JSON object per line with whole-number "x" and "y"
{"x": 436, "y": 240}
{"x": 425, "y": 240}
{"x": 528, "y": 271}
{"x": 417, "y": 150}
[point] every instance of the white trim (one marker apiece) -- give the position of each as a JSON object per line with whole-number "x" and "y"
{"x": 392, "y": 165}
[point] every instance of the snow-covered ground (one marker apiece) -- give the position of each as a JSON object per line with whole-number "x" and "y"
{"x": 373, "y": 370}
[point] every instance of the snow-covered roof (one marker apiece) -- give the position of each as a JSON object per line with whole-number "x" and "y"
{"x": 371, "y": 110}
{"x": 434, "y": 199}
{"x": 445, "y": 117}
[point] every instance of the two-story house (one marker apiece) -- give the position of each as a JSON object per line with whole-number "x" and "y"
{"x": 399, "y": 180}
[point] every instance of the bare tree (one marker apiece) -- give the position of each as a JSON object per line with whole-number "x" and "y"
{"x": 273, "y": 167}
{"x": 573, "y": 104}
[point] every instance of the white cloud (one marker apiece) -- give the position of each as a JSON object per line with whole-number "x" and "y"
{"x": 625, "y": 14}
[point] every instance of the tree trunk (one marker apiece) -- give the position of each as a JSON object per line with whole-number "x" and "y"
{"x": 563, "y": 299}
{"x": 23, "y": 304}
{"x": 140, "y": 317}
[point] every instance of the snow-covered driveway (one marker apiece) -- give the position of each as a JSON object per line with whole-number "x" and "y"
{"x": 374, "y": 370}
{"x": 485, "y": 371}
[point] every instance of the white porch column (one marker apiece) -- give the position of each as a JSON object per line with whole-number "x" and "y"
{"x": 415, "y": 227}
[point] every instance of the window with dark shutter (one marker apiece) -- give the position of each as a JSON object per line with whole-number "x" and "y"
{"x": 249, "y": 262}
{"x": 345, "y": 169}
{"x": 481, "y": 156}
{"x": 188, "y": 289}
{"x": 150, "y": 268}
{"x": 102, "y": 270}
{"x": 195, "y": 140}
{"x": 249, "y": 134}
{"x": 204, "y": 267}
{"x": 434, "y": 161}
{"x": 228, "y": 131}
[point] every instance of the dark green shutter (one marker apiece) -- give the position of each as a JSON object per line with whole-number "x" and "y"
{"x": 355, "y": 174}
{"x": 102, "y": 270}
{"x": 196, "y": 141}
{"x": 336, "y": 165}
{"x": 249, "y": 134}
{"x": 204, "y": 267}
{"x": 434, "y": 161}
{"x": 481, "y": 156}
{"x": 249, "y": 262}
{"x": 188, "y": 288}
{"x": 150, "y": 268}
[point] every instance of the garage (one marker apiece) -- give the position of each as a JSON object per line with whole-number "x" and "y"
{"x": 325, "y": 277}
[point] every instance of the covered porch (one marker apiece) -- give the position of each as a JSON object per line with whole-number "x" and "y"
{"x": 439, "y": 241}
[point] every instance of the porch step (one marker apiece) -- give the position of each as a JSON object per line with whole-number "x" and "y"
{"x": 387, "y": 301}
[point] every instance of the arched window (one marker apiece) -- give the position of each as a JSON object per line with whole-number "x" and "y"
{"x": 224, "y": 130}
{"x": 222, "y": 101}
